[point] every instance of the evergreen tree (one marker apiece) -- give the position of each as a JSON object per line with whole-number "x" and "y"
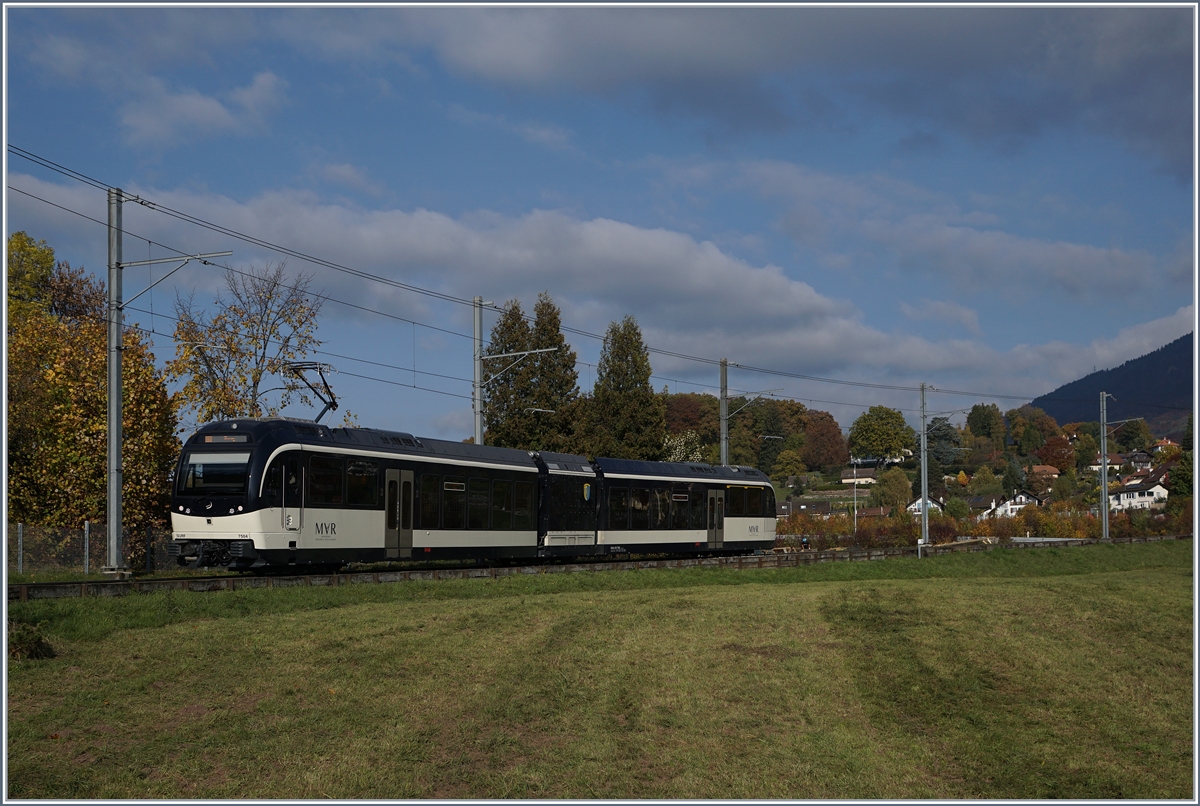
{"x": 555, "y": 382}
{"x": 1012, "y": 479}
{"x": 627, "y": 419}
{"x": 986, "y": 421}
{"x": 508, "y": 382}
{"x": 944, "y": 441}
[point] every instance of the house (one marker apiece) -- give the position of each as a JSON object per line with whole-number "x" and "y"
{"x": 982, "y": 505}
{"x": 1011, "y": 506}
{"x": 914, "y": 506}
{"x": 1050, "y": 471}
{"x": 819, "y": 509}
{"x": 875, "y": 512}
{"x": 1115, "y": 460}
{"x": 864, "y": 475}
{"x": 1141, "y": 460}
{"x": 1142, "y": 492}
{"x": 1162, "y": 445}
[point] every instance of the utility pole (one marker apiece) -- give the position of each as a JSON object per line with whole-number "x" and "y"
{"x": 724, "y": 411}
{"x": 1104, "y": 463}
{"x": 924, "y": 481}
{"x": 116, "y": 563}
{"x": 477, "y": 388}
{"x": 116, "y": 316}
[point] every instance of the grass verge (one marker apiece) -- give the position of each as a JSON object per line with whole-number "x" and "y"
{"x": 1059, "y": 672}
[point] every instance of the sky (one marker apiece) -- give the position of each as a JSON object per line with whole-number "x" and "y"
{"x": 982, "y": 199}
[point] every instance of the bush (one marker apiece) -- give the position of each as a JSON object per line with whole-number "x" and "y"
{"x": 26, "y": 642}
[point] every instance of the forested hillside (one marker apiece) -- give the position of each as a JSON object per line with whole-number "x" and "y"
{"x": 1157, "y": 386}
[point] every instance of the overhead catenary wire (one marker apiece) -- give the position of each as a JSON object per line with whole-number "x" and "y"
{"x": 281, "y": 249}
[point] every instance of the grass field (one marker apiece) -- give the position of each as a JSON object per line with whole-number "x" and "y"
{"x": 1063, "y": 672}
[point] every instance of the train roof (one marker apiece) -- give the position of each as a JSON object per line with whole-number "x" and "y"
{"x": 682, "y": 470}
{"x": 308, "y": 432}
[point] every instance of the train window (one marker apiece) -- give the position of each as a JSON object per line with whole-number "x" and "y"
{"x": 291, "y": 482}
{"x": 753, "y": 502}
{"x": 618, "y": 508}
{"x": 454, "y": 504}
{"x": 477, "y": 504}
{"x": 523, "y": 510}
{"x": 639, "y": 509}
{"x": 272, "y": 492}
{"x": 391, "y": 504}
{"x": 720, "y": 513}
{"x": 214, "y": 473}
{"x": 325, "y": 480}
{"x": 406, "y": 505}
{"x": 679, "y": 510}
{"x": 362, "y": 483}
{"x": 735, "y": 498}
{"x": 502, "y": 505}
{"x": 771, "y": 510}
{"x": 660, "y": 508}
{"x": 429, "y": 501}
{"x": 712, "y": 514}
{"x": 697, "y": 507}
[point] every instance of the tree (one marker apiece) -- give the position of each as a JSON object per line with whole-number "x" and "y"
{"x": 30, "y": 267}
{"x": 892, "y": 489}
{"x": 262, "y": 323}
{"x": 788, "y": 463}
{"x": 695, "y": 412}
{"x": 1013, "y": 479}
{"x": 58, "y": 399}
{"x": 627, "y": 419}
{"x": 958, "y": 508}
{"x": 943, "y": 441}
{"x": 984, "y": 482}
{"x": 1058, "y": 453}
{"x": 508, "y": 382}
{"x": 881, "y": 433}
{"x": 1180, "y": 476}
{"x": 824, "y": 445}
{"x": 529, "y": 400}
{"x": 685, "y": 447}
{"x": 985, "y": 420}
{"x": 1086, "y": 450}
{"x": 1031, "y": 439}
{"x": 1133, "y": 436}
{"x": 936, "y": 481}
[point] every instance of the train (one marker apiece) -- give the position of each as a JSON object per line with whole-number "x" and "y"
{"x": 276, "y": 493}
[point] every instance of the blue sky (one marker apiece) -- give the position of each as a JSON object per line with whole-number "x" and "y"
{"x": 986, "y": 199}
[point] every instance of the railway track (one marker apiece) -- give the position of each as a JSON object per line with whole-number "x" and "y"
{"x": 780, "y": 558}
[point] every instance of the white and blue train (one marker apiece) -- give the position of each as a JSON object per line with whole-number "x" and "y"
{"x": 256, "y": 494}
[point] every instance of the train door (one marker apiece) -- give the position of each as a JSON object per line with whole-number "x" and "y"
{"x": 293, "y": 494}
{"x": 716, "y": 519}
{"x": 398, "y": 534}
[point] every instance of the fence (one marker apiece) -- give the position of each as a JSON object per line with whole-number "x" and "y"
{"x": 38, "y": 549}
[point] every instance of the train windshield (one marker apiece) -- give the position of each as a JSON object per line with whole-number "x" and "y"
{"x": 215, "y": 473}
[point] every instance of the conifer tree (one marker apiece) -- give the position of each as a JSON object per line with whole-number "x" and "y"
{"x": 627, "y": 419}
{"x": 555, "y": 384}
{"x": 508, "y": 382}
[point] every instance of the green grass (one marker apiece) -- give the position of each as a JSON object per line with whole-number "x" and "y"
{"x": 1062, "y": 672}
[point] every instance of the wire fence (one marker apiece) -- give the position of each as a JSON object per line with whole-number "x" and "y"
{"x": 39, "y": 549}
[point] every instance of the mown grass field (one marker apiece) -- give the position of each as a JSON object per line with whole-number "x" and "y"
{"x": 1063, "y": 672}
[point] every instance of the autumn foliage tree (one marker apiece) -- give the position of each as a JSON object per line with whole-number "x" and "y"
{"x": 881, "y": 433}
{"x": 824, "y": 445}
{"x": 58, "y": 402}
{"x": 228, "y": 360}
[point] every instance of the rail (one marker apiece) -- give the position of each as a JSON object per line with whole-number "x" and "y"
{"x": 779, "y": 558}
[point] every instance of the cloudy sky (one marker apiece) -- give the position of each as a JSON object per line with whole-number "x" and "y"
{"x": 997, "y": 200}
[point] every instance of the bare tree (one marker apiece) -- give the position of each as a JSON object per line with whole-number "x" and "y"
{"x": 233, "y": 361}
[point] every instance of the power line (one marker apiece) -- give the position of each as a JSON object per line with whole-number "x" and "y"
{"x": 197, "y": 221}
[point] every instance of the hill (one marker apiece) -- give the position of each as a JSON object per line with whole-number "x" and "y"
{"x": 1156, "y": 386}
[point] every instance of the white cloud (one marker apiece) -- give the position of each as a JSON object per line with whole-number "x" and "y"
{"x": 350, "y": 176}
{"x": 161, "y": 118}
{"x": 927, "y": 232}
{"x": 688, "y": 295}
